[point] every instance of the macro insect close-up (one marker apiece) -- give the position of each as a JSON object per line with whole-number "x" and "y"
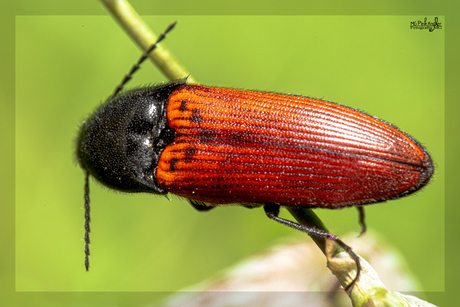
{"x": 220, "y": 143}
{"x": 220, "y": 146}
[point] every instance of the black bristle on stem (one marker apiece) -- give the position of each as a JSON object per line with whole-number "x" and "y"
{"x": 143, "y": 57}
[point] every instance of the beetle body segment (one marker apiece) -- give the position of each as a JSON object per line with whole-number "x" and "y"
{"x": 236, "y": 146}
{"x": 121, "y": 142}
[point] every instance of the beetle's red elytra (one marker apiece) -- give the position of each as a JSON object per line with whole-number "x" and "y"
{"x": 236, "y": 146}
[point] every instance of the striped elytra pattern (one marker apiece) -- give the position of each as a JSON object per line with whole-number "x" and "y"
{"x": 236, "y": 146}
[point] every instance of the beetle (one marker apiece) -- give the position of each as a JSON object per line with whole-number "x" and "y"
{"x": 216, "y": 146}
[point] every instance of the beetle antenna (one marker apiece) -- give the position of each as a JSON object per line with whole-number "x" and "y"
{"x": 143, "y": 57}
{"x": 87, "y": 220}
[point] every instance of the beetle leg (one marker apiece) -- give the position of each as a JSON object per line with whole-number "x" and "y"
{"x": 272, "y": 210}
{"x": 199, "y": 205}
{"x": 362, "y": 221}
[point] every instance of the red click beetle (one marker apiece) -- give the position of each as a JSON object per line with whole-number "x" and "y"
{"x": 218, "y": 146}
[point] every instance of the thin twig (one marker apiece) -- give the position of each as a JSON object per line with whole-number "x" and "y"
{"x": 136, "y": 28}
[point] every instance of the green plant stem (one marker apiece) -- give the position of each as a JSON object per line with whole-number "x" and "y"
{"x": 136, "y": 28}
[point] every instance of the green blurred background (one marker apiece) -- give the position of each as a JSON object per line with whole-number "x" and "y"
{"x": 65, "y": 65}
